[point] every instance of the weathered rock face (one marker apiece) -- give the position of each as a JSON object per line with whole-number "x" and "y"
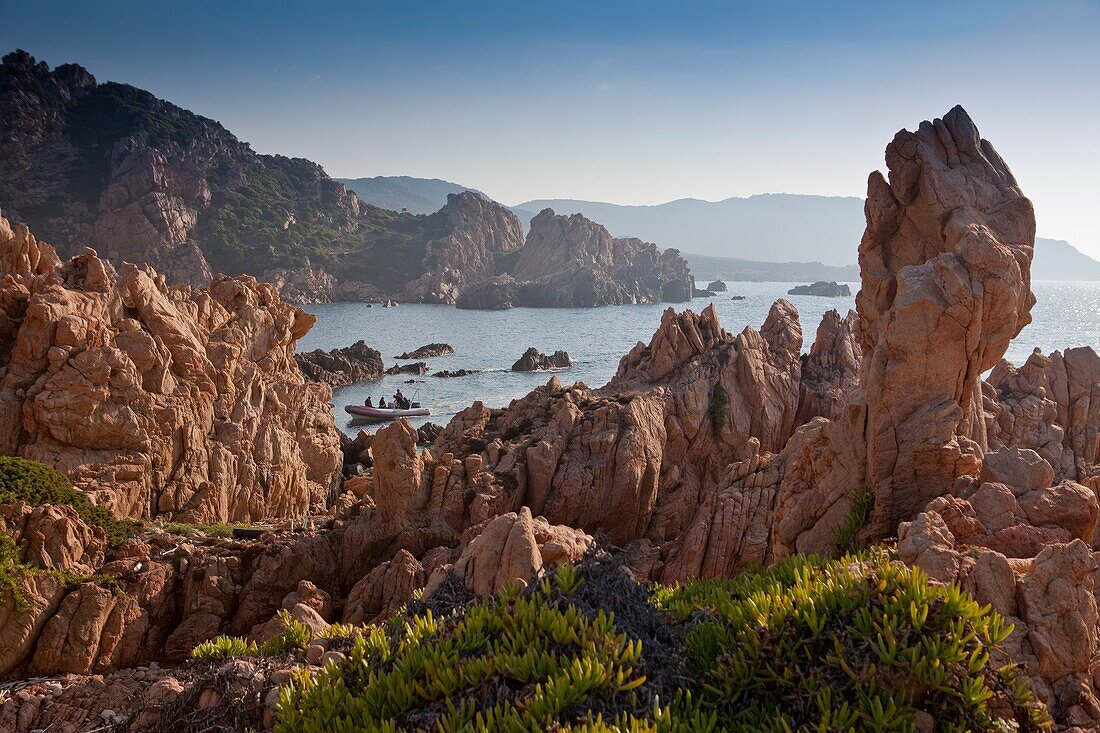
{"x": 338, "y": 367}
{"x": 830, "y": 372}
{"x": 144, "y": 181}
{"x": 944, "y": 264}
{"x": 1050, "y": 405}
{"x": 158, "y": 400}
{"x": 822, "y": 289}
{"x": 635, "y": 458}
{"x": 477, "y": 230}
{"x": 534, "y": 360}
{"x": 717, "y": 286}
{"x": 573, "y": 262}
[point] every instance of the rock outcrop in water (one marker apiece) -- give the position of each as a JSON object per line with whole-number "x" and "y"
{"x": 427, "y": 351}
{"x": 340, "y": 367}
{"x": 571, "y": 262}
{"x": 823, "y": 289}
{"x": 534, "y": 360}
{"x": 158, "y": 400}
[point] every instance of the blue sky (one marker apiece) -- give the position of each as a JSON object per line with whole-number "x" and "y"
{"x": 629, "y": 102}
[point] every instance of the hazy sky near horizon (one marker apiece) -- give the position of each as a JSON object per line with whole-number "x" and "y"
{"x": 628, "y": 102}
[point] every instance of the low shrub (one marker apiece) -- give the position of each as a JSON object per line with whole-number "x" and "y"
{"x": 860, "y": 643}
{"x": 520, "y": 661}
{"x": 224, "y": 647}
{"x": 808, "y": 645}
{"x": 295, "y": 636}
{"x": 224, "y": 530}
{"x": 30, "y": 482}
{"x": 844, "y": 538}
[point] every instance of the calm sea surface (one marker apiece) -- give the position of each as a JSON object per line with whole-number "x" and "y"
{"x": 1067, "y": 314}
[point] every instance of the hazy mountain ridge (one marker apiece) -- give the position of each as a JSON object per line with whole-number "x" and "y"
{"x": 734, "y": 269}
{"x": 405, "y": 193}
{"x": 776, "y": 229}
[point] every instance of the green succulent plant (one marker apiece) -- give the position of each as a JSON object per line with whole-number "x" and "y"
{"x": 861, "y": 643}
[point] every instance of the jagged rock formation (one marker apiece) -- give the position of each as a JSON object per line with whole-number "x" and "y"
{"x": 706, "y": 453}
{"x": 1050, "y": 405}
{"x": 473, "y": 232}
{"x": 143, "y": 181}
{"x": 534, "y": 360}
{"x": 632, "y": 458}
{"x": 717, "y": 286}
{"x": 945, "y": 287}
{"x": 160, "y": 401}
{"x": 427, "y": 351}
{"x": 823, "y": 289}
{"x": 571, "y": 262}
{"x": 339, "y": 367}
{"x": 830, "y": 372}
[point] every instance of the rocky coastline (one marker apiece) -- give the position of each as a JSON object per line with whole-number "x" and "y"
{"x": 707, "y": 454}
{"x": 142, "y": 180}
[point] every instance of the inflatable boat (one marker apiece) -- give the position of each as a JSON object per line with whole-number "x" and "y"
{"x": 385, "y": 413}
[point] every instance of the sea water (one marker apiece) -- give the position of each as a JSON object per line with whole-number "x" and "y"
{"x": 1066, "y": 314}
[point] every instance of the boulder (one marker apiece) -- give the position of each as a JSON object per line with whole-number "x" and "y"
{"x": 514, "y": 548}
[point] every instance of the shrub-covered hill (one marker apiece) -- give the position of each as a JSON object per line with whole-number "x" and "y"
{"x": 808, "y": 645}
{"x": 141, "y": 179}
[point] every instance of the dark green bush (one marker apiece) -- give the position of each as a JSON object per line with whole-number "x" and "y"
{"x": 719, "y": 401}
{"x": 33, "y": 483}
{"x": 808, "y": 645}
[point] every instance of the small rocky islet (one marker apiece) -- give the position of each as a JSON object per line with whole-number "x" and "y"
{"x": 147, "y": 408}
{"x": 822, "y": 289}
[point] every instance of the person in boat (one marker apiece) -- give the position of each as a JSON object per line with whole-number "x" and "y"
{"x": 382, "y": 402}
{"x": 399, "y": 400}
{"x": 368, "y": 402}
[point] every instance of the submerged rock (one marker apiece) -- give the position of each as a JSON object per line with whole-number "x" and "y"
{"x": 456, "y": 372}
{"x": 417, "y": 368}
